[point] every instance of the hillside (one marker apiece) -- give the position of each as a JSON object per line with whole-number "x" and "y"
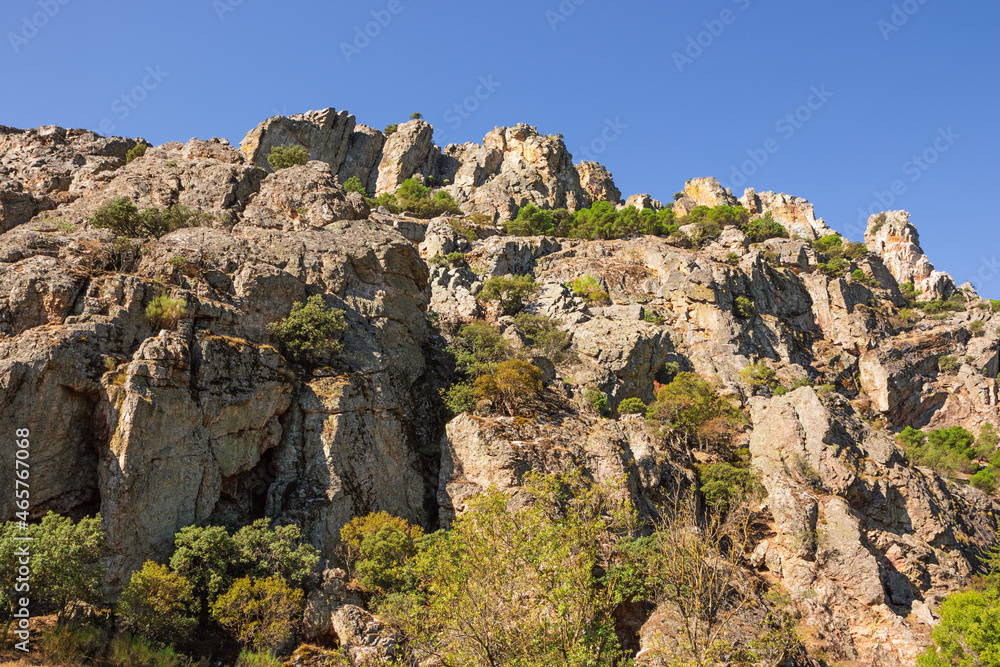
{"x": 199, "y": 412}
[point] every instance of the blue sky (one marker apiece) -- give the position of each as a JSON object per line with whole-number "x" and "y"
{"x": 903, "y": 95}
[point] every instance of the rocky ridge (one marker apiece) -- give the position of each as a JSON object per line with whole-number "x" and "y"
{"x": 162, "y": 428}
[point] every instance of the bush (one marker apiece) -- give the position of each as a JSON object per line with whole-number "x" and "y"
{"x": 354, "y": 184}
{"x": 588, "y": 287}
{"x": 596, "y": 399}
{"x": 977, "y": 328}
{"x": 744, "y": 308}
{"x": 861, "y": 277}
{"x": 544, "y": 336}
{"x": 834, "y": 267}
{"x": 135, "y": 152}
{"x": 382, "y": 547}
{"x": 967, "y": 634}
{"x": 129, "y": 651}
{"x": 509, "y": 291}
{"x": 261, "y": 659}
{"x": 953, "y": 304}
{"x": 460, "y": 397}
{"x": 71, "y": 643}
{"x": 451, "y": 259}
{"x": 516, "y": 385}
{"x": 948, "y": 363}
{"x": 759, "y": 375}
{"x": 415, "y": 198}
{"x": 261, "y": 614}
{"x": 164, "y": 311}
{"x": 264, "y": 551}
{"x": 854, "y": 251}
{"x": 478, "y": 348}
{"x": 690, "y": 411}
{"x": 530, "y": 221}
{"x": 986, "y": 479}
{"x": 632, "y": 406}
{"x": 123, "y": 218}
{"x": 946, "y": 450}
{"x": 764, "y": 228}
{"x": 311, "y": 327}
{"x": 282, "y": 157}
{"x": 156, "y": 605}
{"x": 416, "y": 115}
{"x": 732, "y": 258}
{"x": 390, "y": 129}
{"x": 723, "y": 485}
{"x": 831, "y": 244}
{"x": 354, "y": 533}
{"x": 203, "y": 556}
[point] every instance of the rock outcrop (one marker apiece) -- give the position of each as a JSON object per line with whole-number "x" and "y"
{"x": 598, "y": 182}
{"x": 895, "y": 240}
{"x": 794, "y": 213}
{"x": 702, "y": 192}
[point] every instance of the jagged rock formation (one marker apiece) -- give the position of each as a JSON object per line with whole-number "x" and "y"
{"x": 642, "y": 201}
{"x": 895, "y": 240}
{"x": 161, "y": 427}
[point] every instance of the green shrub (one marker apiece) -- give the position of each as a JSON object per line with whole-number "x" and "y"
{"x": 156, "y": 606}
{"x": 986, "y": 479}
{"x": 854, "y": 251}
{"x": 164, "y": 311}
{"x": 311, "y": 327}
{"x": 515, "y": 385}
{"x": 544, "y": 336}
{"x": 764, "y": 228}
{"x": 530, "y": 221}
{"x": 689, "y": 411}
{"x": 204, "y": 555}
{"x": 129, "y": 651}
{"x": 732, "y": 258}
{"x": 861, "y": 277}
{"x": 723, "y": 484}
{"x": 135, "y": 152}
{"x": 416, "y": 115}
{"x": 954, "y": 304}
{"x": 632, "y": 406}
{"x": 414, "y": 197}
{"x": 451, "y": 259}
{"x": 282, "y": 157}
{"x": 948, "y": 363}
{"x": 804, "y": 382}
{"x": 878, "y": 222}
{"x": 261, "y": 613}
{"x": 354, "y": 184}
{"x": 653, "y": 318}
{"x": 772, "y": 257}
{"x": 780, "y": 390}
{"x": 509, "y": 292}
{"x": 66, "y": 227}
{"x": 123, "y": 218}
{"x": 263, "y": 551}
{"x": 378, "y": 548}
{"x": 759, "y": 375}
{"x": 831, "y": 244}
{"x": 977, "y": 328}
{"x": 478, "y": 348}
{"x": 588, "y": 287}
{"x": 986, "y": 444}
{"x": 72, "y": 643}
{"x": 459, "y": 397}
{"x": 390, "y": 129}
{"x": 257, "y": 659}
{"x": 946, "y": 450}
{"x": 908, "y": 317}
{"x": 826, "y": 389}
{"x": 596, "y": 399}
{"x": 744, "y": 308}
{"x": 834, "y": 267}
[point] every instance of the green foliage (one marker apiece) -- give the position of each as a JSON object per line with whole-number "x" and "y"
{"x": 947, "y": 450}
{"x": 257, "y": 659}
{"x": 130, "y": 651}
{"x": 690, "y": 411}
{"x": 416, "y": 115}
{"x": 954, "y": 304}
{"x": 724, "y": 485}
{"x": 825, "y": 390}
{"x": 834, "y": 267}
{"x": 156, "y": 605}
{"x": 831, "y": 244}
{"x": 354, "y": 184}
{"x": 530, "y": 221}
{"x": 764, "y": 228}
{"x": 515, "y": 385}
{"x": 282, "y": 157}
{"x": 854, "y": 251}
{"x": 509, "y": 291}
{"x": 311, "y": 327}
{"x": 460, "y": 397}
{"x": 948, "y": 363}
{"x": 596, "y": 399}
{"x": 744, "y": 308}
{"x": 732, "y": 258}
{"x": 977, "y": 328}
{"x": 879, "y": 222}
{"x": 908, "y": 317}
{"x": 135, "y": 152}
{"x": 123, "y": 218}
{"x": 203, "y": 556}
{"x": 861, "y": 277}
{"x": 414, "y": 197}
{"x": 759, "y": 375}
{"x": 66, "y": 227}
{"x": 471, "y": 606}
{"x": 544, "y": 336}
{"x": 164, "y": 311}
{"x": 632, "y": 406}
{"x": 378, "y": 549}
{"x": 451, "y": 259}
{"x": 280, "y": 551}
{"x": 986, "y": 479}
{"x": 478, "y": 348}
{"x": 590, "y": 288}
{"x": 261, "y": 613}
{"x": 72, "y": 643}
{"x": 780, "y": 390}
{"x": 969, "y": 632}
{"x": 390, "y": 129}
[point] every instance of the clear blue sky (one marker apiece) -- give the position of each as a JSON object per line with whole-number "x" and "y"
{"x": 570, "y": 67}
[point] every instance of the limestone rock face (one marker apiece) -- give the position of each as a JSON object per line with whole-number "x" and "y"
{"x": 858, "y": 532}
{"x": 303, "y": 197}
{"x": 51, "y": 166}
{"x": 895, "y": 240}
{"x": 642, "y": 201}
{"x": 702, "y": 192}
{"x": 598, "y": 182}
{"x": 327, "y": 134}
{"x": 794, "y": 213}
{"x": 407, "y": 151}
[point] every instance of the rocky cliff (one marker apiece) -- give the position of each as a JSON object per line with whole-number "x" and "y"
{"x": 160, "y": 427}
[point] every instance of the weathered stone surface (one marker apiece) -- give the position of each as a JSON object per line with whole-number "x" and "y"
{"x": 702, "y": 192}
{"x": 642, "y": 201}
{"x": 303, "y": 197}
{"x": 894, "y": 239}
{"x": 327, "y": 134}
{"x": 598, "y": 182}
{"x": 409, "y": 150}
{"x": 794, "y": 213}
